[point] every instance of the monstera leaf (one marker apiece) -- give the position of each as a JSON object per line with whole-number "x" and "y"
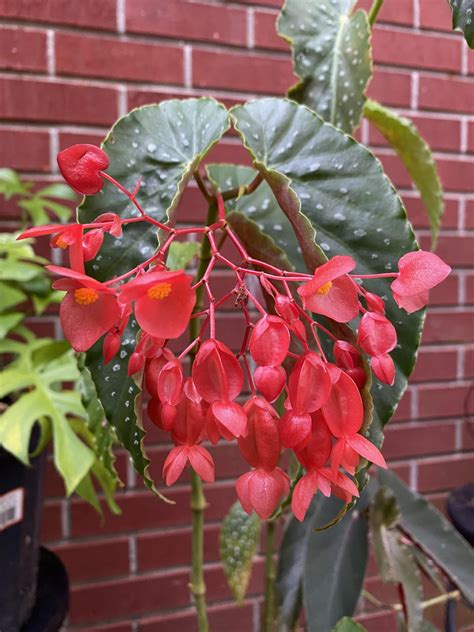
{"x": 463, "y": 18}
{"x": 415, "y": 154}
{"x": 161, "y": 144}
{"x": 332, "y": 56}
{"x": 341, "y": 188}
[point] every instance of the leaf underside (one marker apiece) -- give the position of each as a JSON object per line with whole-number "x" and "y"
{"x": 463, "y": 18}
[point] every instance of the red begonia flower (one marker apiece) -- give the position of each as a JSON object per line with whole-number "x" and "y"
{"x": 153, "y": 370}
{"x": 261, "y": 491}
{"x": 346, "y": 355}
{"x": 376, "y": 334}
{"x": 270, "y": 381}
{"x": 270, "y": 341}
{"x": 331, "y": 292}
{"x": 170, "y": 383}
{"x": 198, "y": 457}
{"x": 286, "y": 308}
{"x": 70, "y": 237}
{"x": 295, "y": 429}
{"x": 113, "y": 339}
{"x": 309, "y": 384}
{"x": 261, "y": 445}
{"x": 358, "y": 375}
{"x": 344, "y": 415}
{"x": 418, "y": 272}
{"x": 230, "y": 418}
{"x": 305, "y": 490}
{"x": 89, "y": 309}
{"x": 374, "y": 303}
{"x": 92, "y": 243}
{"x": 217, "y": 372}
{"x": 164, "y": 302}
{"x": 383, "y": 368}
{"x": 81, "y": 165}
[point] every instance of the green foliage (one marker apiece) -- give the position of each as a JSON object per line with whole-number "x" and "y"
{"x": 181, "y": 254}
{"x": 239, "y": 538}
{"x": 463, "y": 18}
{"x": 346, "y": 624}
{"x": 415, "y": 154}
{"x": 433, "y": 533}
{"x": 161, "y": 144}
{"x": 38, "y": 205}
{"x": 332, "y": 56}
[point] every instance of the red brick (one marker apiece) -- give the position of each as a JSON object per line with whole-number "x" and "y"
{"x": 451, "y": 95}
{"x": 266, "y": 3}
{"x": 457, "y": 251}
{"x": 95, "y": 560}
{"x": 22, "y": 49}
{"x": 119, "y": 627}
{"x": 145, "y": 511}
{"x": 469, "y": 362}
{"x": 66, "y": 139}
{"x": 173, "y": 548}
{"x": 391, "y": 88}
{"x": 449, "y": 401}
{"x": 435, "y": 14}
{"x": 400, "y": 12}
{"x": 45, "y": 101}
{"x": 182, "y": 19}
{"x": 446, "y": 293}
{"x": 435, "y": 364}
{"x": 395, "y": 169}
{"x": 470, "y": 137}
{"x": 440, "y": 133}
{"x": 265, "y": 31}
{"x": 51, "y": 522}
{"x": 249, "y": 73}
{"x": 445, "y": 472}
{"x": 91, "y": 56}
{"x": 446, "y": 326}
{"x": 469, "y": 298}
{"x": 419, "y": 218}
{"x": 469, "y": 219}
{"x": 229, "y": 617}
{"x": 403, "y": 410}
{"x": 468, "y": 434}
{"x": 419, "y": 50}
{"x": 416, "y": 439}
{"x": 24, "y": 149}
{"x": 456, "y": 174}
{"x": 377, "y": 621}
{"x": 99, "y": 15}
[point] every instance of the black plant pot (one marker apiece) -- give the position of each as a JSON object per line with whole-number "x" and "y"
{"x": 20, "y": 521}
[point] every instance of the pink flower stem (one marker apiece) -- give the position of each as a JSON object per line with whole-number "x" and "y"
{"x": 383, "y": 275}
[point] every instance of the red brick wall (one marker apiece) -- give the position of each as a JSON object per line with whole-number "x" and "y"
{"x": 68, "y": 69}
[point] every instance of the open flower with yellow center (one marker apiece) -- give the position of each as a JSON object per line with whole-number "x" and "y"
{"x": 163, "y": 300}
{"x": 331, "y": 292}
{"x": 89, "y": 309}
{"x": 68, "y": 237}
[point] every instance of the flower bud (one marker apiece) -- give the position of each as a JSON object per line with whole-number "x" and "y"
{"x": 295, "y": 429}
{"x": 286, "y": 308}
{"x": 170, "y": 383}
{"x": 309, "y": 384}
{"x": 376, "y": 334}
{"x": 111, "y": 346}
{"x": 270, "y": 381}
{"x": 216, "y": 372}
{"x": 346, "y": 355}
{"x": 91, "y": 243}
{"x": 383, "y": 368}
{"x": 270, "y": 341}
{"x": 81, "y": 165}
{"x": 375, "y": 303}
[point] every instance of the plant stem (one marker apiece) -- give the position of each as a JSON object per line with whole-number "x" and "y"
{"x": 374, "y": 11}
{"x": 244, "y": 189}
{"x": 269, "y": 601}
{"x": 198, "y": 584}
{"x": 198, "y": 500}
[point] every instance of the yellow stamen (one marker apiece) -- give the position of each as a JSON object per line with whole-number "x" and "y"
{"x": 324, "y": 289}
{"x": 160, "y": 291}
{"x": 59, "y": 242}
{"x": 85, "y": 296}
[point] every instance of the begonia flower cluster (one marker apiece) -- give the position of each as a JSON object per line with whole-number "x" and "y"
{"x": 281, "y": 391}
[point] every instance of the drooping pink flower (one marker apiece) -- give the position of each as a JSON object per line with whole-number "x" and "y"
{"x": 418, "y": 272}
{"x": 198, "y": 457}
{"x": 270, "y": 341}
{"x": 376, "y": 334}
{"x": 68, "y": 237}
{"x": 89, "y": 309}
{"x": 219, "y": 379}
{"x": 261, "y": 446}
{"x": 261, "y": 491}
{"x": 344, "y": 415}
{"x": 331, "y": 292}
{"x": 383, "y": 368}
{"x": 164, "y": 301}
{"x": 113, "y": 339}
{"x": 80, "y": 166}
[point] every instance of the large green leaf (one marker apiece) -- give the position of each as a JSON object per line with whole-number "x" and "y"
{"x": 162, "y": 144}
{"x": 239, "y": 537}
{"x": 434, "y": 534}
{"x": 334, "y": 566}
{"x": 332, "y": 56}
{"x": 341, "y": 187}
{"x": 415, "y": 154}
{"x": 42, "y": 374}
{"x": 463, "y": 18}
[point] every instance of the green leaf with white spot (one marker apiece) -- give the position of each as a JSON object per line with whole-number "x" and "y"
{"x": 239, "y": 537}
{"x": 341, "y": 188}
{"x": 463, "y": 18}
{"x": 415, "y": 154}
{"x": 161, "y": 144}
{"x": 332, "y": 56}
